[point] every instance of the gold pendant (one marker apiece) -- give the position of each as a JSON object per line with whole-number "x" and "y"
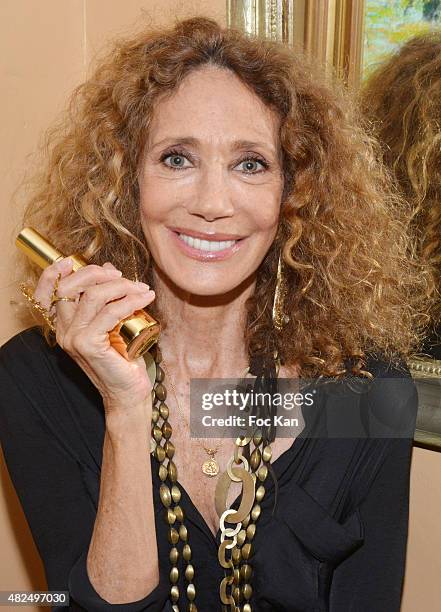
{"x": 247, "y": 499}
{"x": 210, "y": 467}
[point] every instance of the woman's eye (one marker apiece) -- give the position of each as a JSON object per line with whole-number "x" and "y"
{"x": 177, "y": 160}
{"x": 249, "y": 162}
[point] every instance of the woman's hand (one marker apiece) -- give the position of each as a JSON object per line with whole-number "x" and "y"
{"x": 104, "y": 298}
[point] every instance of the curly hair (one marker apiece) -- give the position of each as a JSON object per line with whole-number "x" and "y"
{"x": 355, "y": 283}
{"x": 402, "y": 99}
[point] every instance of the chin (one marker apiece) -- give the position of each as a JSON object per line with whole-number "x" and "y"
{"x": 203, "y": 278}
{"x": 196, "y": 282}
{"x": 207, "y": 289}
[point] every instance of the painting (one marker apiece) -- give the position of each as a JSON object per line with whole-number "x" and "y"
{"x": 389, "y": 23}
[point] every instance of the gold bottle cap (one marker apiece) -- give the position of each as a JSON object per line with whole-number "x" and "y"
{"x": 37, "y": 248}
{"x": 133, "y": 335}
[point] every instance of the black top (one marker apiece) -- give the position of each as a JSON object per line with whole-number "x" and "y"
{"x": 336, "y": 541}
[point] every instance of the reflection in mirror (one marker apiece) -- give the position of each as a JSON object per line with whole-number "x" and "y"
{"x": 402, "y": 100}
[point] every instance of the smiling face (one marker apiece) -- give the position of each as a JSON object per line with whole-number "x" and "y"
{"x": 210, "y": 183}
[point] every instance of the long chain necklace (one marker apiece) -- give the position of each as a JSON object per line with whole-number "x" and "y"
{"x": 210, "y": 467}
{"x": 235, "y": 551}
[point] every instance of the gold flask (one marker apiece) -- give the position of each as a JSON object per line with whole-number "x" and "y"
{"x": 133, "y": 336}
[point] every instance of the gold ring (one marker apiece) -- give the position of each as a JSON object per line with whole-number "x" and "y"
{"x": 59, "y": 298}
{"x": 63, "y": 298}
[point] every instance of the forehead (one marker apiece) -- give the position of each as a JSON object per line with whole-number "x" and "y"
{"x": 213, "y": 105}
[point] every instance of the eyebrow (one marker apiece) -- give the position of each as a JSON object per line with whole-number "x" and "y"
{"x": 236, "y": 144}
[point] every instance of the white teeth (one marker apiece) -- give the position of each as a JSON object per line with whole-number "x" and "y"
{"x": 206, "y": 245}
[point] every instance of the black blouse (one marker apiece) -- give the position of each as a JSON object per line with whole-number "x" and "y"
{"x": 335, "y": 542}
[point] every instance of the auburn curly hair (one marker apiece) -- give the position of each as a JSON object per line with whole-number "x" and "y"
{"x": 402, "y": 99}
{"x": 355, "y": 283}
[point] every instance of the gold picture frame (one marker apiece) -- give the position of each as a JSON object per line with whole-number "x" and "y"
{"x": 329, "y": 30}
{"x": 427, "y": 376}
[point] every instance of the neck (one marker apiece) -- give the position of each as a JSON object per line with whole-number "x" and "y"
{"x": 204, "y": 335}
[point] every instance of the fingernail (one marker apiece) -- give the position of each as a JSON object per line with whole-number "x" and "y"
{"x": 67, "y": 262}
{"x": 109, "y": 263}
{"x": 142, "y": 286}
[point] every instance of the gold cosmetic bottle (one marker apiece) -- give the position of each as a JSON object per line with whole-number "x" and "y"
{"x": 133, "y": 336}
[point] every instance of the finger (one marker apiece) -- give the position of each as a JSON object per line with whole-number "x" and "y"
{"x": 89, "y": 276}
{"x": 46, "y": 282}
{"x": 75, "y": 284}
{"x": 109, "y": 316}
{"x": 96, "y": 297}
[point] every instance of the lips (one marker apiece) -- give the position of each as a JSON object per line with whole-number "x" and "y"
{"x": 206, "y": 250}
{"x": 206, "y": 235}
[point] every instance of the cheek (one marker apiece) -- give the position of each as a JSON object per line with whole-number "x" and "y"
{"x": 265, "y": 213}
{"x": 267, "y": 219}
{"x": 155, "y": 200}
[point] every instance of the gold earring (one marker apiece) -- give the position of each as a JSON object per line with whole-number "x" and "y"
{"x": 135, "y": 265}
{"x": 280, "y": 318}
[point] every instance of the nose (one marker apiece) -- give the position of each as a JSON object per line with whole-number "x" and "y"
{"x": 212, "y": 198}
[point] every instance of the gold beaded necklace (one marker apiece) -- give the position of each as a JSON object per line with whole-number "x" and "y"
{"x": 234, "y": 553}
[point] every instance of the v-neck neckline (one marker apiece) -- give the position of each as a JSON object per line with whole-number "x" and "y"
{"x": 280, "y": 465}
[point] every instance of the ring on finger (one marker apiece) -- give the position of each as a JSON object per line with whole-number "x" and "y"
{"x": 60, "y": 298}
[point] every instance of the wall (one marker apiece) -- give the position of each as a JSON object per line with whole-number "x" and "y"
{"x": 45, "y": 49}
{"x": 422, "y": 584}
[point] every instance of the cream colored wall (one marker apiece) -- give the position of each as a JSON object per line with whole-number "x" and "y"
{"x": 422, "y": 582}
{"x": 45, "y": 48}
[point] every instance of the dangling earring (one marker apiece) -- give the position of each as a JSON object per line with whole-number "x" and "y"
{"x": 279, "y": 317}
{"x": 135, "y": 265}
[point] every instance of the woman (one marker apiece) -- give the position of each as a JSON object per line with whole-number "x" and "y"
{"x": 402, "y": 100}
{"x": 253, "y": 204}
